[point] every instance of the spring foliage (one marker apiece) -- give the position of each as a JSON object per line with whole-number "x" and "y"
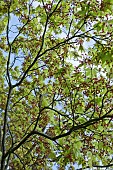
{"x": 53, "y": 110}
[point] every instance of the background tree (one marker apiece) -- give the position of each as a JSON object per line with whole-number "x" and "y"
{"x": 50, "y": 110}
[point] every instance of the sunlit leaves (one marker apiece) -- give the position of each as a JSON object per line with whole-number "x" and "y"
{"x": 56, "y": 83}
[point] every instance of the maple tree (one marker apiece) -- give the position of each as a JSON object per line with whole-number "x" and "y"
{"x": 50, "y": 110}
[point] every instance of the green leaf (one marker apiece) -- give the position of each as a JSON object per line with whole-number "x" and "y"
{"x": 56, "y": 73}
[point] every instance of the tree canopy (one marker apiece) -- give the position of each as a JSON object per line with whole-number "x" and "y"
{"x": 53, "y": 110}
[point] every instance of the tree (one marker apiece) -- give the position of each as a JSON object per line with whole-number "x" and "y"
{"x": 50, "y": 110}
